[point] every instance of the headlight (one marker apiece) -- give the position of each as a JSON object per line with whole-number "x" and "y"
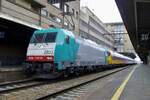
{"x": 31, "y": 58}
{"x": 49, "y": 58}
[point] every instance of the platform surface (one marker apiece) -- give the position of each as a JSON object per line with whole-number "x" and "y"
{"x": 12, "y": 73}
{"x": 137, "y": 87}
{"x": 11, "y": 68}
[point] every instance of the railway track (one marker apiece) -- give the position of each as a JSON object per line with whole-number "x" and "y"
{"x": 18, "y": 85}
{"x": 70, "y": 92}
{"x": 15, "y": 82}
{"x": 44, "y": 90}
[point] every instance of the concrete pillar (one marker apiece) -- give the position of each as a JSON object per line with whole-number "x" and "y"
{"x": 0, "y": 4}
{"x": 148, "y": 58}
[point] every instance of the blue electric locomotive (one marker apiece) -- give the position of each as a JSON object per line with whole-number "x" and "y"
{"x": 57, "y": 50}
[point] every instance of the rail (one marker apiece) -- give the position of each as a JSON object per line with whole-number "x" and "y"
{"x": 18, "y": 85}
{"x": 54, "y": 94}
{"x": 53, "y": 88}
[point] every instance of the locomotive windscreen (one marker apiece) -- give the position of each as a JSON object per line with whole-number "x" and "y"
{"x": 44, "y": 37}
{"x": 50, "y": 37}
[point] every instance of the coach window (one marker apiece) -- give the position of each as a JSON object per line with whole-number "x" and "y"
{"x": 108, "y": 53}
{"x": 67, "y": 39}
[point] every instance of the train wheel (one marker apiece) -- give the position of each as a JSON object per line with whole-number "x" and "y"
{"x": 65, "y": 74}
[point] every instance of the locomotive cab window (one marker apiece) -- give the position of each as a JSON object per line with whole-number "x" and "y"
{"x": 50, "y": 37}
{"x": 37, "y": 38}
{"x": 44, "y": 37}
{"x": 67, "y": 39}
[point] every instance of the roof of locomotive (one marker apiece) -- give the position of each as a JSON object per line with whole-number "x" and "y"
{"x": 69, "y": 33}
{"x": 66, "y": 32}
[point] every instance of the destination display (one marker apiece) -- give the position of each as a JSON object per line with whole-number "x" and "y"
{"x": 144, "y": 39}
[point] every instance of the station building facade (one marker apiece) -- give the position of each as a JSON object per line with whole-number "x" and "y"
{"x": 122, "y": 40}
{"x": 43, "y": 13}
{"x": 19, "y": 18}
{"x": 91, "y": 27}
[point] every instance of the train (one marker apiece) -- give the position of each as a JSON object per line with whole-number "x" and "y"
{"x": 56, "y": 50}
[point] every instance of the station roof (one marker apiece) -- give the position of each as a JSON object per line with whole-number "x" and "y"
{"x": 136, "y": 17}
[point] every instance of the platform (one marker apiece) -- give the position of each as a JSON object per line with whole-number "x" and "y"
{"x": 11, "y": 73}
{"x": 131, "y": 84}
{"x": 138, "y": 86}
{"x": 11, "y": 68}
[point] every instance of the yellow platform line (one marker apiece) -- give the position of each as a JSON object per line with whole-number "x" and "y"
{"x": 117, "y": 94}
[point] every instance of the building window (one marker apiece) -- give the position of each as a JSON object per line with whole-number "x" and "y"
{"x": 54, "y": 18}
{"x": 55, "y": 3}
{"x": 60, "y": 4}
{"x": 44, "y": 12}
{"x": 73, "y": 12}
{"x": 36, "y": 8}
{"x": 66, "y": 24}
{"x": 77, "y": 14}
{"x": 11, "y": 0}
{"x": 58, "y": 20}
{"x": 51, "y": 16}
{"x": 66, "y": 8}
{"x": 52, "y": 1}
